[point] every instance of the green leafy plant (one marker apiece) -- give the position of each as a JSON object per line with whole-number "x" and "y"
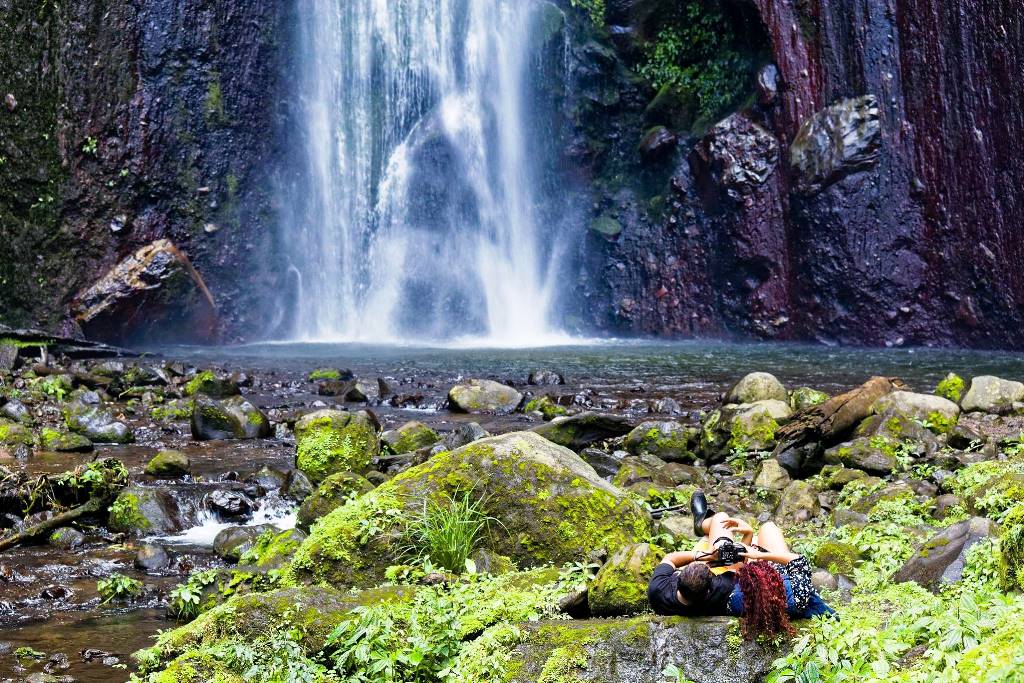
{"x": 447, "y": 529}
{"x": 673, "y": 674}
{"x": 594, "y": 8}
{"x": 185, "y": 598}
{"x": 28, "y": 653}
{"x": 90, "y": 146}
{"x": 119, "y": 587}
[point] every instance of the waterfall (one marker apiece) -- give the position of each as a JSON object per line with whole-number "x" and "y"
{"x": 418, "y": 211}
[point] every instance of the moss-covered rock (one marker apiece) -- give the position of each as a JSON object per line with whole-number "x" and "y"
{"x": 757, "y": 386}
{"x": 924, "y": 408}
{"x": 328, "y": 374}
{"x": 273, "y": 549}
{"x": 14, "y": 434}
{"x": 669, "y": 441}
{"x": 333, "y": 492}
{"x": 142, "y": 511}
{"x": 584, "y": 429}
{"x": 233, "y": 418}
{"x": 484, "y": 396}
{"x": 63, "y": 442}
{"x": 1011, "y": 549}
{"x": 638, "y": 649}
{"x": 988, "y": 394}
{"x": 551, "y": 505}
{"x": 951, "y": 387}
{"x": 806, "y": 397}
{"x": 799, "y": 502}
{"x": 941, "y": 559}
{"x": 172, "y": 411}
{"x": 410, "y": 437}
{"x": 96, "y": 424}
{"x": 837, "y": 557}
{"x": 547, "y": 408}
{"x": 620, "y": 587}
{"x": 169, "y": 464}
{"x": 876, "y": 455}
{"x": 771, "y": 475}
{"x": 211, "y": 384}
{"x": 233, "y": 542}
{"x": 330, "y": 441}
{"x": 990, "y": 488}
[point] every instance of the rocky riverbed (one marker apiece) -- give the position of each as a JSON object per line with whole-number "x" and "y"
{"x": 268, "y": 499}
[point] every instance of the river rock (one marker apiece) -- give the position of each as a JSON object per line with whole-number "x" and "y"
{"x": 169, "y": 464}
{"x": 356, "y": 390}
{"x": 545, "y": 378}
{"x": 835, "y": 142}
{"x": 334, "y": 492}
{"x": 329, "y": 441}
{"x": 231, "y": 543}
{"x": 67, "y": 538}
{"x": 604, "y": 463}
{"x": 96, "y": 424}
{"x": 212, "y": 384}
{"x": 464, "y": 434}
{"x": 799, "y": 503}
{"x": 152, "y": 557}
{"x": 705, "y": 650}
{"x": 988, "y": 394}
{"x": 14, "y": 434}
{"x": 620, "y": 587}
{"x": 757, "y": 386}
{"x": 15, "y": 410}
{"x": 273, "y": 549}
{"x": 771, "y": 475}
{"x": 154, "y": 296}
{"x": 410, "y": 437}
{"x": 584, "y": 429}
{"x": 141, "y": 511}
{"x": 874, "y": 455}
{"x": 548, "y": 504}
{"x": 232, "y": 418}
{"x": 229, "y": 504}
{"x": 941, "y": 559}
{"x": 484, "y": 396}
{"x": 63, "y": 442}
{"x": 806, "y": 397}
{"x": 268, "y": 479}
{"x": 922, "y": 407}
{"x": 669, "y": 441}
{"x": 298, "y": 486}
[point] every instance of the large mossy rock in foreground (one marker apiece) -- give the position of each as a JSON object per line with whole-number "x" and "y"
{"x": 620, "y": 588}
{"x": 330, "y": 441}
{"x": 706, "y": 650}
{"x": 549, "y": 504}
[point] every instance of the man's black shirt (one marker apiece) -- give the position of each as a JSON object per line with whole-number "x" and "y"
{"x": 661, "y": 593}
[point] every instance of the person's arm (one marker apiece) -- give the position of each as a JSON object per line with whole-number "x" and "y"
{"x": 740, "y": 527}
{"x": 679, "y": 559}
{"x": 781, "y": 558}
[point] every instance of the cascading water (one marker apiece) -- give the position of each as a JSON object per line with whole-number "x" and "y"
{"x": 416, "y": 213}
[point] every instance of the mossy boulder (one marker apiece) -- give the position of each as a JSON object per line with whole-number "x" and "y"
{"x": 329, "y": 374}
{"x": 197, "y": 667}
{"x": 211, "y": 384}
{"x": 990, "y": 488}
{"x": 332, "y": 493}
{"x": 67, "y": 538}
{"x": 669, "y": 441}
{"x": 941, "y": 559}
{"x": 771, "y": 475}
{"x": 273, "y": 549}
{"x": 547, "y": 408}
{"x": 939, "y": 413}
{"x": 805, "y": 397}
{"x": 705, "y": 650}
{"x": 1011, "y": 549}
{"x": 620, "y": 587}
{"x": 550, "y": 506}
{"x": 141, "y": 511}
{"x": 14, "y": 434}
{"x": 875, "y": 455}
{"x": 410, "y": 437}
{"x": 169, "y": 464}
{"x": 951, "y": 387}
{"x": 757, "y": 386}
{"x": 96, "y": 424}
{"x": 837, "y": 557}
{"x": 799, "y": 502}
{"x": 60, "y": 441}
{"x": 584, "y": 429}
{"x": 836, "y": 477}
{"x": 330, "y": 441}
{"x": 172, "y": 411}
{"x": 483, "y": 396}
{"x": 233, "y": 418}
{"x": 988, "y": 394}
{"x": 233, "y": 542}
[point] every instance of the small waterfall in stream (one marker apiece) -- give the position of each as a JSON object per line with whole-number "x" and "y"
{"x": 421, "y": 205}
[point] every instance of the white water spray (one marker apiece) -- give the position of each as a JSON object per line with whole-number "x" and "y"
{"x": 415, "y": 217}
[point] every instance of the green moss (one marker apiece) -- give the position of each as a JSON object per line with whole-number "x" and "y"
{"x": 952, "y": 387}
{"x": 1011, "y": 548}
{"x": 215, "y": 112}
{"x": 330, "y": 444}
{"x": 125, "y": 514}
{"x": 14, "y": 434}
{"x": 756, "y": 432}
{"x": 620, "y": 587}
{"x": 410, "y": 437}
{"x": 837, "y": 557}
{"x": 546, "y": 407}
{"x": 324, "y": 373}
{"x": 204, "y": 382}
{"x": 172, "y": 411}
{"x": 941, "y": 424}
{"x": 272, "y": 549}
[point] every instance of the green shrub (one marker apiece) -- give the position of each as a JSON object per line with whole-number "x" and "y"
{"x": 119, "y": 587}
{"x": 448, "y": 529}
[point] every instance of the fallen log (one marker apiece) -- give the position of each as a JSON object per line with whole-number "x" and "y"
{"x": 805, "y": 437}
{"x": 90, "y": 507}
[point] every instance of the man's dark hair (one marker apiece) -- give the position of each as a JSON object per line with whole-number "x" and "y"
{"x": 694, "y": 582}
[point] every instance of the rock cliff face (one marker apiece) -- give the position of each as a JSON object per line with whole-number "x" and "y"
{"x": 891, "y": 219}
{"x": 868, "y": 192}
{"x": 128, "y": 122}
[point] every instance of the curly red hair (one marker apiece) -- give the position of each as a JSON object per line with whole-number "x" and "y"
{"x": 764, "y": 602}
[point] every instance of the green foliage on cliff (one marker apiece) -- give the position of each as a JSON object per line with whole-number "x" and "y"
{"x": 695, "y": 55}
{"x": 595, "y": 8}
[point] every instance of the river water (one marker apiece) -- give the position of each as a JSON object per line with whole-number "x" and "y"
{"x": 48, "y": 597}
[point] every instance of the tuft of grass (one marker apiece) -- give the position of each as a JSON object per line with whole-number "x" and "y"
{"x": 447, "y": 529}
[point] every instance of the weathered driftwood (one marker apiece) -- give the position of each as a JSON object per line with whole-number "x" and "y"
{"x": 814, "y": 428}
{"x": 90, "y": 507}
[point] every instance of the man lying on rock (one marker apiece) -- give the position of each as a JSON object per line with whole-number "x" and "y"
{"x": 760, "y": 579}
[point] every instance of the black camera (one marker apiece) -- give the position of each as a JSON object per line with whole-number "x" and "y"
{"x": 729, "y": 552}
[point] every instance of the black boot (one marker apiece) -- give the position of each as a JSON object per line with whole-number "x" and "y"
{"x": 700, "y": 511}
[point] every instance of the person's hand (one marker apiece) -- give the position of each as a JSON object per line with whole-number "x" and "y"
{"x": 754, "y": 554}
{"x": 738, "y": 526}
